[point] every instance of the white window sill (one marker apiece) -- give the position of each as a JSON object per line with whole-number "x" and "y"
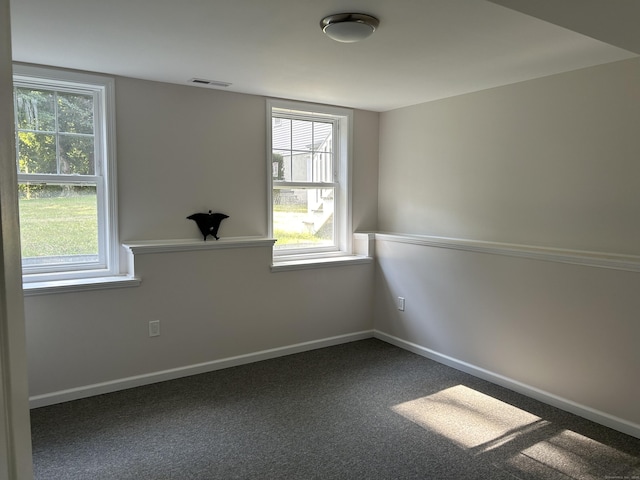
{"x": 79, "y": 285}
{"x": 190, "y": 245}
{"x": 285, "y": 265}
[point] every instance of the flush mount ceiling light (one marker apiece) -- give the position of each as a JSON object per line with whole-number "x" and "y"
{"x": 349, "y": 27}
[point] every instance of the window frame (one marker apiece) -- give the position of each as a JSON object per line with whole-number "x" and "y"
{"x": 342, "y": 155}
{"x": 102, "y": 88}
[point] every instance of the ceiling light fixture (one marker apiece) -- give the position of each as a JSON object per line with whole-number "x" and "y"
{"x": 349, "y": 27}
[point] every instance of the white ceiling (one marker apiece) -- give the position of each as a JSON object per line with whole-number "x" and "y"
{"x": 423, "y": 50}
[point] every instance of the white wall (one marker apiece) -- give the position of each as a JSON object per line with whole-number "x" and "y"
{"x": 551, "y": 162}
{"x": 183, "y": 150}
{"x": 212, "y": 305}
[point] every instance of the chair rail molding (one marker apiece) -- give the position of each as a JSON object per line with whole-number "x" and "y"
{"x": 630, "y": 263}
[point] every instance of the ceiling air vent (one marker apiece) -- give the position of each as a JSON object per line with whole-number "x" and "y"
{"x": 209, "y": 83}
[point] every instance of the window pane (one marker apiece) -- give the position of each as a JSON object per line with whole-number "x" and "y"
{"x": 36, "y": 153}
{"x": 75, "y": 113}
{"x": 302, "y": 134}
{"x": 279, "y": 171}
{"x": 301, "y": 167}
{"x": 291, "y": 168}
{"x": 76, "y": 155}
{"x": 302, "y": 150}
{"x": 303, "y": 217}
{"x": 35, "y": 109}
{"x": 322, "y": 136}
{"x": 322, "y": 167}
{"x": 58, "y": 224}
{"x": 281, "y": 133}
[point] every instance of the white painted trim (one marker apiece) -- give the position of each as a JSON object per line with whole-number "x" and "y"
{"x": 630, "y": 263}
{"x": 345, "y": 167}
{"x": 268, "y": 157}
{"x": 364, "y": 244}
{"x": 174, "y": 373}
{"x": 110, "y": 175}
{"x": 15, "y": 435}
{"x": 343, "y": 144}
{"x": 189, "y": 245}
{"x": 103, "y": 89}
{"x": 589, "y": 413}
{"x": 319, "y": 262}
{"x": 79, "y": 285}
{"x": 363, "y": 254}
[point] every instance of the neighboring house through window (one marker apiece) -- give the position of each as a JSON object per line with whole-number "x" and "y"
{"x": 64, "y": 126}
{"x": 308, "y": 156}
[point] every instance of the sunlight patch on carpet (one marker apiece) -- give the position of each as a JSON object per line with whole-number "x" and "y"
{"x": 580, "y": 457}
{"x": 467, "y": 417}
{"x": 482, "y": 424}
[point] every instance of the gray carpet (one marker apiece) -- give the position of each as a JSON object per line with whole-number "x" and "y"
{"x": 363, "y": 410}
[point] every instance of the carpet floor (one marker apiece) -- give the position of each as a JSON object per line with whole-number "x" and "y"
{"x": 362, "y": 410}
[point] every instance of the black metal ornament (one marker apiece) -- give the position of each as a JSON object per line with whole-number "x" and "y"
{"x": 208, "y": 223}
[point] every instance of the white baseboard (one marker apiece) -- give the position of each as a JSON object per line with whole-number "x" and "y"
{"x": 174, "y": 373}
{"x": 589, "y": 413}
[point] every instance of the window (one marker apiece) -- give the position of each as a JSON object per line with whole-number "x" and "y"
{"x": 308, "y": 161}
{"x": 66, "y": 173}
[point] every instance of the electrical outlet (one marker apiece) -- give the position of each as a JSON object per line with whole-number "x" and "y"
{"x": 401, "y": 304}
{"x": 154, "y": 328}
